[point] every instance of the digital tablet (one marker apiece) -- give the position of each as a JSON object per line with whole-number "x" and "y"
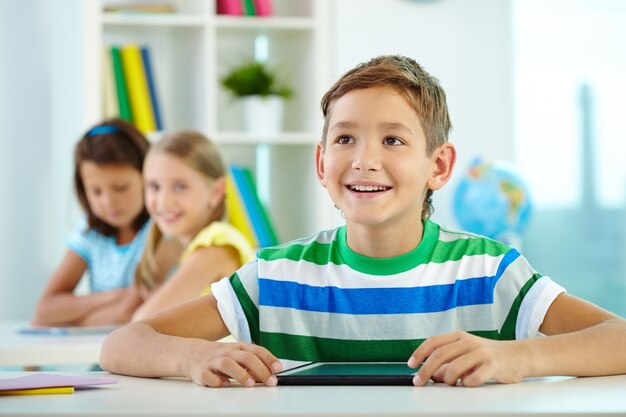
{"x": 348, "y": 373}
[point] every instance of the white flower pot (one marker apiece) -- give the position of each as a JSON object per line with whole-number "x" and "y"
{"x": 262, "y": 115}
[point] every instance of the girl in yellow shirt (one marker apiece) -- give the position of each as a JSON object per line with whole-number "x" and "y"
{"x": 185, "y": 195}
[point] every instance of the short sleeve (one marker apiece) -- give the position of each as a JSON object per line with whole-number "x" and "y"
{"x": 78, "y": 241}
{"x": 534, "y": 307}
{"x": 221, "y": 234}
{"x": 237, "y": 302}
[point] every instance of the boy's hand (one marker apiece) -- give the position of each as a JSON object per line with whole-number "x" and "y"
{"x": 471, "y": 359}
{"x": 244, "y": 362}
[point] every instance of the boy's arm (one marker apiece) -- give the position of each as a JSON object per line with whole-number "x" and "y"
{"x": 583, "y": 340}
{"x": 178, "y": 342}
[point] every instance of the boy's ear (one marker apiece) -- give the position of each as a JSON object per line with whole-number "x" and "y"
{"x": 319, "y": 164}
{"x": 443, "y": 159}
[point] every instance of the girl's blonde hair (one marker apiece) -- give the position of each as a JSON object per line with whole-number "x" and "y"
{"x": 198, "y": 152}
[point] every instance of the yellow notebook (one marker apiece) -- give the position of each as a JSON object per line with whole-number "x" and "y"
{"x": 137, "y": 85}
{"x": 39, "y": 391}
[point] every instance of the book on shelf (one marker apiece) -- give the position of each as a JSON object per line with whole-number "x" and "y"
{"x": 255, "y": 220}
{"x": 236, "y": 212}
{"x": 248, "y": 8}
{"x": 110, "y": 103}
{"x": 137, "y": 85}
{"x": 263, "y": 7}
{"x": 230, "y": 7}
{"x": 150, "y": 80}
{"x": 120, "y": 85}
{"x": 140, "y": 8}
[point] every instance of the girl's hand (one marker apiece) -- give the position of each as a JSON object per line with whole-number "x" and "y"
{"x": 471, "y": 359}
{"x": 244, "y": 362}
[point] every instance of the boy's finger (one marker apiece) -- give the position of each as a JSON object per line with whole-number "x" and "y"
{"x": 230, "y": 368}
{"x": 255, "y": 366}
{"x": 267, "y": 357}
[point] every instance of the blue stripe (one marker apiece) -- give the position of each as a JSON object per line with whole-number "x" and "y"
{"x": 428, "y": 299}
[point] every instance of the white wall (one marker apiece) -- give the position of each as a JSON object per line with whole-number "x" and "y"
{"x": 464, "y": 43}
{"x": 24, "y": 151}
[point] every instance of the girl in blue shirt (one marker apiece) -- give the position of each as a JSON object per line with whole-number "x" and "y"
{"x": 108, "y": 245}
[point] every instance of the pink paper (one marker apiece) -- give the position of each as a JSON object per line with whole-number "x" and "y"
{"x": 44, "y": 380}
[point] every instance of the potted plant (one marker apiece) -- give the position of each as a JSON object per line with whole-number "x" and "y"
{"x": 261, "y": 95}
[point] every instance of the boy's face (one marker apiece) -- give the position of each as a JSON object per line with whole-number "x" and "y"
{"x": 374, "y": 162}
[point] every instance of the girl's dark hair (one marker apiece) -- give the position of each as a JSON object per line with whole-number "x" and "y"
{"x": 112, "y": 142}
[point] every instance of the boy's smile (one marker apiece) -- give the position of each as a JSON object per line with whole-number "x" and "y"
{"x": 374, "y": 163}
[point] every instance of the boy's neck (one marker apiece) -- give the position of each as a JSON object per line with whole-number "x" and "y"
{"x": 383, "y": 241}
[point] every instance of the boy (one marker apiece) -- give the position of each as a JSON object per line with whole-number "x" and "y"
{"x": 390, "y": 285}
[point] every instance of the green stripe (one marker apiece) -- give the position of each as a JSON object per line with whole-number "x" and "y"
{"x": 508, "y": 328}
{"x": 314, "y": 252}
{"x": 457, "y": 249}
{"x": 309, "y": 348}
{"x": 249, "y": 308}
{"x": 429, "y": 250}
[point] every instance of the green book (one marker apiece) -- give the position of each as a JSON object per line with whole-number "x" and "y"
{"x": 120, "y": 84}
{"x": 248, "y": 8}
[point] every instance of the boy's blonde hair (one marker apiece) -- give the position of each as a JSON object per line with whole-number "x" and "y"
{"x": 420, "y": 89}
{"x": 198, "y": 152}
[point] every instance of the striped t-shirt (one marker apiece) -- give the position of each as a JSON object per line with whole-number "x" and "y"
{"x": 315, "y": 299}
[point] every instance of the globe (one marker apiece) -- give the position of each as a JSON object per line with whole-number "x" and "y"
{"x": 492, "y": 200}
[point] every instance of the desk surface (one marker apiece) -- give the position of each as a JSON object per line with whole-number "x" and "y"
{"x": 39, "y": 350}
{"x": 176, "y": 397}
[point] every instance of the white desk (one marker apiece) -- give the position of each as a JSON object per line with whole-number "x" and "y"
{"x": 134, "y": 397}
{"x": 36, "y": 350}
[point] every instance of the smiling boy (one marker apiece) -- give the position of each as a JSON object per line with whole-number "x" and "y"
{"x": 389, "y": 285}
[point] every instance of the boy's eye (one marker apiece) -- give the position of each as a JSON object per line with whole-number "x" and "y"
{"x": 344, "y": 139}
{"x": 391, "y": 140}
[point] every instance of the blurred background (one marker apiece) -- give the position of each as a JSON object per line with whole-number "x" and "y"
{"x": 539, "y": 85}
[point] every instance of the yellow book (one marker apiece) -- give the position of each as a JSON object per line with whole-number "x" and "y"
{"x": 236, "y": 213}
{"x": 110, "y": 107}
{"x": 39, "y": 391}
{"x": 138, "y": 93}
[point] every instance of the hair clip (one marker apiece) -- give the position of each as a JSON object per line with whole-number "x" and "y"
{"x": 102, "y": 130}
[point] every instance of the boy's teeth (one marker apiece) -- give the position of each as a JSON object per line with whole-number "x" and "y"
{"x": 368, "y": 188}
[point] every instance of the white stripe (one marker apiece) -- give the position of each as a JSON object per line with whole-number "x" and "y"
{"x": 376, "y": 326}
{"x": 342, "y": 276}
{"x": 248, "y": 275}
{"x": 450, "y": 235}
{"x": 323, "y": 237}
{"x": 508, "y": 287}
{"x": 539, "y": 306}
{"x": 231, "y": 311}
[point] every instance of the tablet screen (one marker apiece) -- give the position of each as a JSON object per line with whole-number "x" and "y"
{"x": 348, "y": 373}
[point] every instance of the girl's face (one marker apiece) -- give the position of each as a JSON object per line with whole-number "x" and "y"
{"x": 180, "y": 199}
{"x": 114, "y": 192}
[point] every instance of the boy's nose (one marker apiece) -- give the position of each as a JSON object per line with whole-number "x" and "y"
{"x": 366, "y": 159}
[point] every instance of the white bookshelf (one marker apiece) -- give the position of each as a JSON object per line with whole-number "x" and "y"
{"x": 191, "y": 50}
